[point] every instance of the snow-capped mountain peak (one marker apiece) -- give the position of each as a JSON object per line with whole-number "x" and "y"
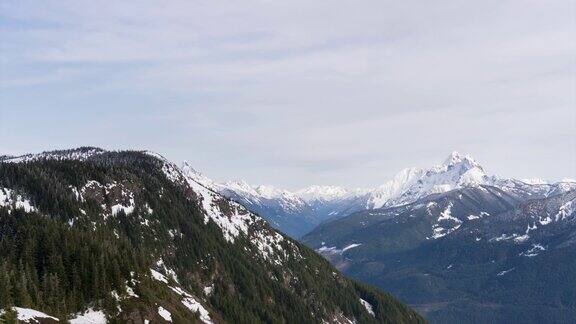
{"x": 410, "y": 184}
{"x": 318, "y": 203}
{"x": 197, "y": 176}
{"x": 261, "y": 191}
{"x": 271, "y": 192}
{"x": 298, "y": 211}
{"x": 456, "y": 158}
{"x": 323, "y": 193}
{"x": 242, "y": 186}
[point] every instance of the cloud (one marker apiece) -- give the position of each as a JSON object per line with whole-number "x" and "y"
{"x": 296, "y": 92}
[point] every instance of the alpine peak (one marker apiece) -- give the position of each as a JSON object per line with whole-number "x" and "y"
{"x": 456, "y": 157}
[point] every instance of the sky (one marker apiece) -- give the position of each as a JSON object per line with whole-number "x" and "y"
{"x": 293, "y": 93}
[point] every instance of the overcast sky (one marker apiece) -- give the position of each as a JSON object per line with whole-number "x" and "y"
{"x": 293, "y": 93}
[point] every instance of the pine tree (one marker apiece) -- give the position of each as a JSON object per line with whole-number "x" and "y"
{"x": 5, "y": 287}
{"x": 22, "y": 297}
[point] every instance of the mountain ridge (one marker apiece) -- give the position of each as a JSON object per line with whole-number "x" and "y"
{"x": 299, "y": 211}
{"x": 127, "y": 236}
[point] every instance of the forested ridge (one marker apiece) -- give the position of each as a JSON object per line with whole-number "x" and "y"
{"x": 95, "y": 228}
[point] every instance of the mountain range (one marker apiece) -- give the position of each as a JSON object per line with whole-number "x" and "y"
{"x": 473, "y": 249}
{"x": 454, "y": 242}
{"x": 298, "y": 212}
{"x": 92, "y": 236}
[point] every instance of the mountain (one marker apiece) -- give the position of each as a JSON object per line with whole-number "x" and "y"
{"x": 477, "y": 250}
{"x": 294, "y": 213}
{"x": 282, "y": 209}
{"x": 89, "y": 236}
{"x": 298, "y": 212}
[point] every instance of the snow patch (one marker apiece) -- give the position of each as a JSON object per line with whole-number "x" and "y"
{"x": 76, "y": 193}
{"x": 131, "y": 292}
{"x": 482, "y": 214}
{"x": 525, "y": 237}
{"x": 438, "y": 230}
{"x": 515, "y": 236}
{"x": 368, "y": 306}
{"x": 168, "y": 271}
{"x": 165, "y": 314}
{"x": 158, "y": 276}
{"x": 565, "y": 210}
{"x": 351, "y": 246}
{"x": 28, "y": 314}
{"x": 334, "y": 250}
{"x": 9, "y": 199}
{"x": 501, "y": 273}
{"x": 196, "y": 307}
{"x": 90, "y": 316}
{"x": 188, "y": 300}
{"x": 447, "y": 215}
{"x": 208, "y": 290}
{"x": 533, "y": 251}
{"x": 547, "y": 220}
{"x": 193, "y": 304}
{"x": 148, "y": 209}
{"x": 127, "y": 209}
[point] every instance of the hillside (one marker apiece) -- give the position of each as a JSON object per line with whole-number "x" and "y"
{"x": 127, "y": 237}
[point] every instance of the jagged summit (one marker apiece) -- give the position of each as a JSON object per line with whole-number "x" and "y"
{"x": 188, "y": 167}
{"x": 463, "y": 163}
{"x": 456, "y": 157}
{"x": 197, "y": 176}
{"x": 242, "y": 185}
{"x": 410, "y": 184}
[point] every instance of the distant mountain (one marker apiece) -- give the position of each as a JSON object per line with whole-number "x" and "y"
{"x": 495, "y": 251}
{"x": 294, "y": 213}
{"x": 298, "y": 212}
{"x": 90, "y": 236}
